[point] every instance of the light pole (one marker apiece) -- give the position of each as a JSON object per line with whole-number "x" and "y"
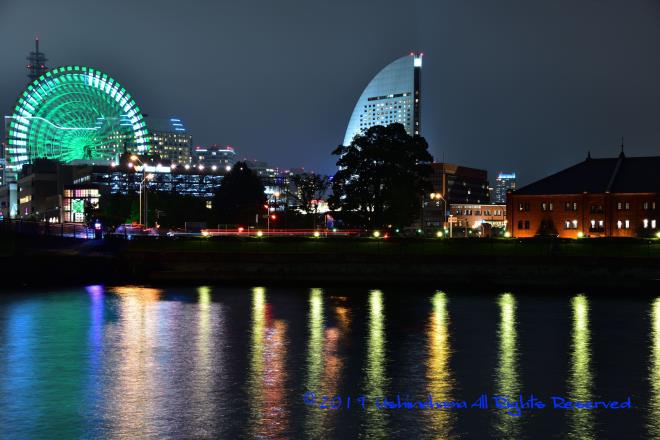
{"x": 444, "y": 206}
{"x": 276, "y": 194}
{"x": 135, "y": 158}
{"x": 146, "y": 210}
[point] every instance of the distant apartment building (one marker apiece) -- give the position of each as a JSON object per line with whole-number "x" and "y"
{"x": 39, "y": 189}
{"x": 478, "y": 217}
{"x": 452, "y": 184}
{"x": 221, "y": 157}
{"x": 9, "y": 201}
{"x": 503, "y": 183}
{"x": 170, "y": 140}
{"x": 609, "y": 197}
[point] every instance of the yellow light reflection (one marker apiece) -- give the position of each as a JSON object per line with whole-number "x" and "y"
{"x": 315, "y": 415}
{"x": 439, "y": 373}
{"x": 507, "y": 383}
{"x": 324, "y": 364}
{"x": 134, "y": 390}
{"x": 375, "y": 381}
{"x": 654, "y": 372}
{"x": 580, "y": 381}
{"x": 269, "y": 414}
{"x": 205, "y": 365}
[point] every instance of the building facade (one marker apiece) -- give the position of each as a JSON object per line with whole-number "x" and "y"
{"x": 480, "y": 217}
{"x": 392, "y": 96}
{"x": 504, "y": 183}
{"x": 222, "y": 157}
{"x": 52, "y": 191}
{"x": 170, "y": 140}
{"x": 452, "y": 184}
{"x": 9, "y": 201}
{"x": 610, "y": 197}
{"x": 39, "y": 190}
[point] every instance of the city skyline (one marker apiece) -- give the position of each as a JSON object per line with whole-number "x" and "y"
{"x": 495, "y": 97}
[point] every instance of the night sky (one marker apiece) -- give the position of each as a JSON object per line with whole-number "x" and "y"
{"x": 522, "y": 85}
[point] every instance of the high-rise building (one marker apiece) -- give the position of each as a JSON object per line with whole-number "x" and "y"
{"x": 452, "y": 184}
{"x": 503, "y": 183}
{"x": 215, "y": 155}
{"x": 36, "y": 62}
{"x": 392, "y": 96}
{"x": 170, "y": 140}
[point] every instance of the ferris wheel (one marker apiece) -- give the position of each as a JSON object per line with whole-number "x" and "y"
{"x": 71, "y": 113}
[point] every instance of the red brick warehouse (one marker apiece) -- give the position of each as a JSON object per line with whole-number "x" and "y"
{"x": 610, "y": 197}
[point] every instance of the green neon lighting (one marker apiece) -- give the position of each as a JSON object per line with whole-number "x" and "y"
{"x": 78, "y": 206}
{"x": 75, "y": 112}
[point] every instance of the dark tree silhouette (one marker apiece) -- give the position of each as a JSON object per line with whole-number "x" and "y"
{"x": 382, "y": 176}
{"x": 240, "y": 197}
{"x": 309, "y": 189}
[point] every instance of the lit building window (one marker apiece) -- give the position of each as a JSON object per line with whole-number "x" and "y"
{"x": 619, "y": 223}
{"x": 645, "y": 222}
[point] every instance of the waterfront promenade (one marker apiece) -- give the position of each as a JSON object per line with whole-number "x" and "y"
{"x": 480, "y": 263}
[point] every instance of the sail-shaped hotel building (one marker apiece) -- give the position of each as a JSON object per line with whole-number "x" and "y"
{"x": 393, "y": 95}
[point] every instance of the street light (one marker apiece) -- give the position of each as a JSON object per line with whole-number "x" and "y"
{"x": 439, "y": 196}
{"x": 135, "y": 158}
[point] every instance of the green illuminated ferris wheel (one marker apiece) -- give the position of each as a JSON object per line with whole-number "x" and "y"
{"x": 71, "y": 113}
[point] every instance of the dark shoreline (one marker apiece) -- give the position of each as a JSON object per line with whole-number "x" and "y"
{"x": 37, "y": 261}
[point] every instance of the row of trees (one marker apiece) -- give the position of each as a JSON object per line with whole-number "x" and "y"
{"x": 381, "y": 176}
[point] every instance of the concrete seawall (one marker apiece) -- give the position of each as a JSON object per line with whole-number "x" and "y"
{"x": 253, "y": 269}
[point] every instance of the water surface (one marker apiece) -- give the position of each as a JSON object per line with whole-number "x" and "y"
{"x": 217, "y": 362}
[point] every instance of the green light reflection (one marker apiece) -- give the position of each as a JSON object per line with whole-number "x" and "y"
{"x": 580, "y": 381}
{"x": 375, "y": 381}
{"x": 507, "y": 383}
{"x": 314, "y": 417}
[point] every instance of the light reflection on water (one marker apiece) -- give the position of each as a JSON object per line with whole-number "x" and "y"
{"x": 580, "y": 381}
{"x": 507, "y": 382}
{"x": 133, "y": 362}
{"x": 374, "y": 377}
{"x": 133, "y": 390}
{"x": 438, "y": 374}
{"x": 268, "y": 406}
{"x": 653, "y": 418}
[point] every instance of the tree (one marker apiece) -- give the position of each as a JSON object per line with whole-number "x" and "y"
{"x": 382, "y": 176}
{"x": 240, "y": 197}
{"x": 310, "y": 188}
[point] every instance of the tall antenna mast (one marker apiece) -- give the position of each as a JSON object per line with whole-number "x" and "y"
{"x": 36, "y": 62}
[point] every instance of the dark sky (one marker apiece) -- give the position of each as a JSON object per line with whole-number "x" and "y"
{"x": 520, "y": 85}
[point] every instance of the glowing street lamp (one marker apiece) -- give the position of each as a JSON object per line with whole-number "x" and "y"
{"x": 135, "y": 158}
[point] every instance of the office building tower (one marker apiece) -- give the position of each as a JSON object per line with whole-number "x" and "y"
{"x": 392, "y": 96}
{"x": 503, "y": 183}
